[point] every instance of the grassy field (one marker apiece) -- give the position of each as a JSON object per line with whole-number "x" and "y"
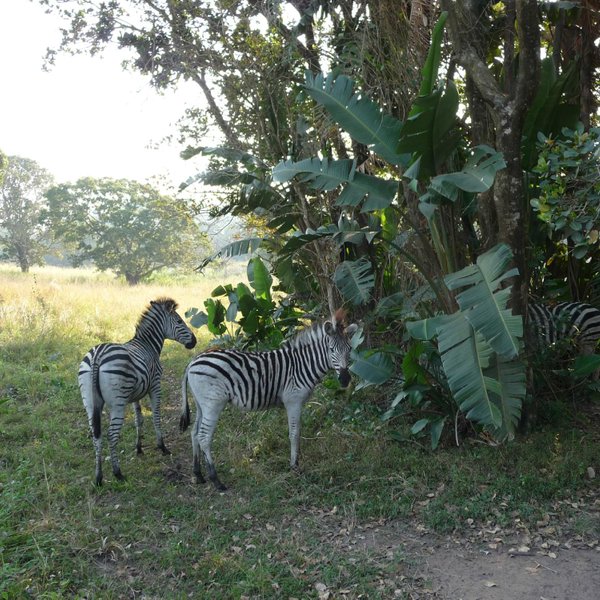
{"x": 274, "y": 533}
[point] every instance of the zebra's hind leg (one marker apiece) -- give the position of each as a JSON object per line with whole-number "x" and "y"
{"x": 155, "y": 402}
{"x": 114, "y": 430}
{"x": 139, "y": 421}
{"x": 98, "y": 450}
{"x": 196, "y": 449}
{"x": 205, "y": 435}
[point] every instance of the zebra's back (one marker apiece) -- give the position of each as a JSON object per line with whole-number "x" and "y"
{"x": 249, "y": 380}
{"x": 123, "y": 367}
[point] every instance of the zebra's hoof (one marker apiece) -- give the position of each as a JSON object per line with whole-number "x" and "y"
{"x": 139, "y": 449}
{"x": 98, "y": 481}
{"x": 163, "y": 449}
{"x": 120, "y": 476}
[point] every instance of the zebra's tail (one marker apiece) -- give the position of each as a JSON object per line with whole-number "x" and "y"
{"x": 97, "y": 400}
{"x": 184, "y": 419}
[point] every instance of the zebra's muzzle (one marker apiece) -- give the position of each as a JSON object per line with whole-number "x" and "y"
{"x": 344, "y": 377}
{"x": 191, "y": 343}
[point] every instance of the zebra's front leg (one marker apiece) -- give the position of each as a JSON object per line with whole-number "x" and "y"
{"x": 155, "y": 402}
{"x": 293, "y": 408}
{"x": 114, "y": 431}
{"x": 139, "y": 421}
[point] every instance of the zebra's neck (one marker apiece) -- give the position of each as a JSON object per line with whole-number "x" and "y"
{"x": 149, "y": 337}
{"x": 310, "y": 356}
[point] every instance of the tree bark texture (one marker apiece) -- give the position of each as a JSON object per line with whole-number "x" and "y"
{"x": 508, "y": 108}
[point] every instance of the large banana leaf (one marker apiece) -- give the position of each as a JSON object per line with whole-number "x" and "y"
{"x": 374, "y": 368}
{"x": 238, "y": 248}
{"x": 431, "y": 134}
{"x": 328, "y": 174}
{"x": 355, "y": 280}
{"x": 359, "y": 116}
{"x": 465, "y": 355}
{"x": 483, "y": 306}
{"x": 476, "y": 176}
{"x": 508, "y": 395}
{"x": 479, "y": 344}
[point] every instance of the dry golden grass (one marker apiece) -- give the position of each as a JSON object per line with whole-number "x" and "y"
{"x": 84, "y": 300}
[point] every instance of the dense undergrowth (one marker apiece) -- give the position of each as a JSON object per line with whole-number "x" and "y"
{"x": 159, "y": 535}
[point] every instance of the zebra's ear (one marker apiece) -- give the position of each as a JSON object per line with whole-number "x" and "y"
{"x": 351, "y": 329}
{"x": 329, "y": 327}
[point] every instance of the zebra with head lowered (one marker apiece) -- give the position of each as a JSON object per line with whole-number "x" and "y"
{"x": 566, "y": 320}
{"x": 261, "y": 380}
{"x": 117, "y": 374}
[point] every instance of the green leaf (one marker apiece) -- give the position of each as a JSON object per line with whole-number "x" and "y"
{"x": 419, "y": 426}
{"x": 586, "y": 365}
{"x": 329, "y": 174}
{"x": 238, "y": 248}
{"x": 357, "y": 114}
{"x": 465, "y": 355}
{"x": 477, "y": 175}
{"x": 431, "y": 133}
{"x": 260, "y": 278}
{"x": 484, "y": 305}
{"x": 355, "y": 280}
{"x": 434, "y": 57}
{"x": 509, "y": 395}
{"x": 372, "y": 367}
{"x": 437, "y": 426}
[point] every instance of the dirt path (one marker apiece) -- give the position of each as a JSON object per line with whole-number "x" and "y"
{"x": 483, "y": 564}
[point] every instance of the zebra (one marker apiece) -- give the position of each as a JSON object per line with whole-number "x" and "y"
{"x": 117, "y": 374}
{"x": 262, "y": 380}
{"x": 566, "y": 320}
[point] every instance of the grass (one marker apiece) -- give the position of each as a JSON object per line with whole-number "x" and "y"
{"x": 275, "y": 533}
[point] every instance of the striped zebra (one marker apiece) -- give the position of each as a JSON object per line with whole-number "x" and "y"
{"x": 567, "y": 320}
{"x": 117, "y": 374}
{"x": 262, "y": 380}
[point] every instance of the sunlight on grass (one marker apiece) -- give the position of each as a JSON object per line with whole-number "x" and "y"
{"x": 274, "y": 533}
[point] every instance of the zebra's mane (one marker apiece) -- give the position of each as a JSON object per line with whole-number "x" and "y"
{"x": 306, "y": 337}
{"x": 314, "y": 333}
{"x": 168, "y": 303}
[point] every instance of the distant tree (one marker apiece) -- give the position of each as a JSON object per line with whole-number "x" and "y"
{"x": 125, "y": 226}
{"x": 3, "y": 165}
{"x": 22, "y": 238}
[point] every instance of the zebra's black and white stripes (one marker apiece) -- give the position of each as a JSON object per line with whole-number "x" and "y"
{"x": 261, "y": 380}
{"x": 117, "y": 374}
{"x": 575, "y": 321}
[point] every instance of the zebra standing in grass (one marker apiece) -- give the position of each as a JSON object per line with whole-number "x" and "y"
{"x": 116, "y": 374}
{"x": 262, "y": 380}
{"x": 575, "y": 320}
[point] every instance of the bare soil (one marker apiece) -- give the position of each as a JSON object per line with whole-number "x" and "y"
{"x": 487, "y": 565}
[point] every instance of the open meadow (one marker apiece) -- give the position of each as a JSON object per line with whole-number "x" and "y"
{"x": 367, "y": 516}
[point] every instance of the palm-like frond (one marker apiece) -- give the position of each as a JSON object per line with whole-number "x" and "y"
{"x": 329, "y": 174}
{"x": 479, "y": 344}
{"x": 355, "y": 280}
{"x": 359, "y": 116}
{"x": 483, "y": 306}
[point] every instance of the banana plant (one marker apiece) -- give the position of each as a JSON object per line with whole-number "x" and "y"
{"x": 479, "y": 345}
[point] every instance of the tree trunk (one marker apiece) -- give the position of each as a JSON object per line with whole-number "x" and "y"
{"x": 508, "y": 109}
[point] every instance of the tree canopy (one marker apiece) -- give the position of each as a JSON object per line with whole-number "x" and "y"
{"x": 124, "y": 226}
{"x": 22, "y": 238}
{"x": 392, "y": 149}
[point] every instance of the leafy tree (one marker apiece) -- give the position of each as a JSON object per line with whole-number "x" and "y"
{"x": 124, "y": 226}
{"x": 22, "y": 238}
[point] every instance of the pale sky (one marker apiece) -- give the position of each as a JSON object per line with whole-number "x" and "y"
{"x": 86, "y": 117}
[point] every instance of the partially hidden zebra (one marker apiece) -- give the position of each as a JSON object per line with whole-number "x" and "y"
{"x": 261, "y": 380}
{"x": 118, "y": 374}
{"x": 575, "y": 321}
